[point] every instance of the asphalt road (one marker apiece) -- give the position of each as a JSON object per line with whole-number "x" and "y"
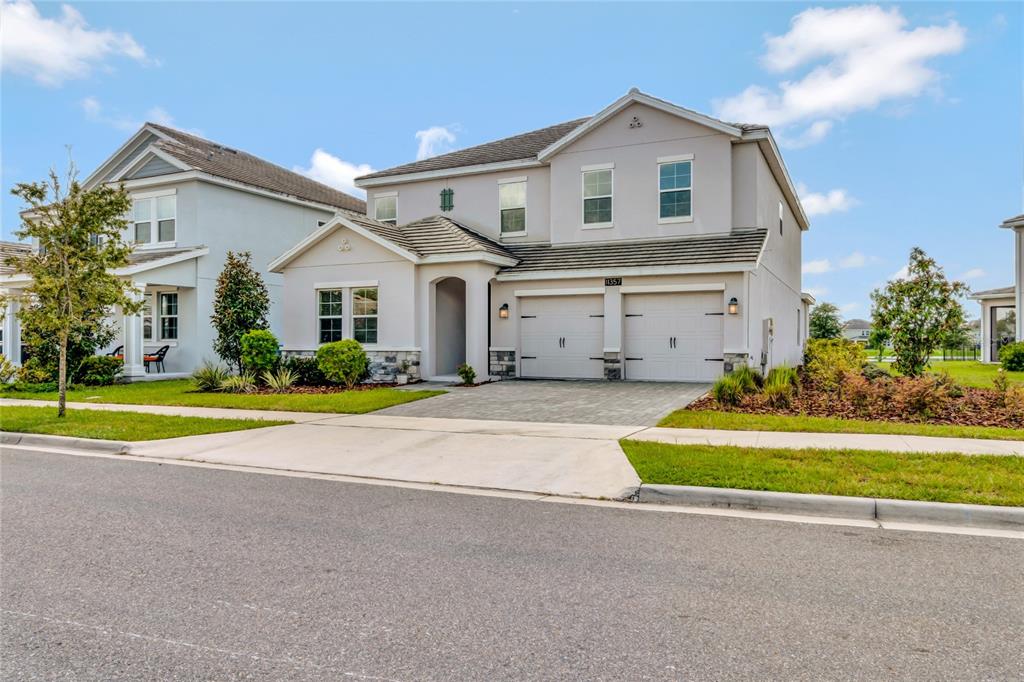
{"x": 125, "y": 570}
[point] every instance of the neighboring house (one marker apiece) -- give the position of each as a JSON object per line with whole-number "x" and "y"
{"x": 1001, "y": 321}
{"x": 194, "y": 200}
{"x": 646, "y": 242}
{"x": 857, "y": 330}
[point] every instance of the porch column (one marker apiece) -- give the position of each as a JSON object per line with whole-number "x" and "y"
{"x": 12, "y": 331}
{"x": 134, "y": 367}
{"x": 476, "y": 325}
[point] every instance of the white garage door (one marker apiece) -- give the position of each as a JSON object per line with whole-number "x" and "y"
{"x": 561, "y": 337}
{"x": 673, "y": 337}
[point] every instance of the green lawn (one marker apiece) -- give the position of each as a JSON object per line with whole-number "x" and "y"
{"x": 968, "y": 372}
{"x": 131, "y": 426}
{"x": 973, "y": 479}
{"x": 182, "y": 392}
{"x": 738, "y": 421}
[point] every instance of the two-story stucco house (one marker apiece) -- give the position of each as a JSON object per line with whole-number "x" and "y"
{"x": 193, "y": 201}
{"x": 1001, "y": 322}
{"x": 646, "y": 242}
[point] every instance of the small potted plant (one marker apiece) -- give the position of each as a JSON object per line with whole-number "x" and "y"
{"x": 402, "y": 378}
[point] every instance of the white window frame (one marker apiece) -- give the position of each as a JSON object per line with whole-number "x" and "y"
{"x": 663, "y": 160}
{"x": 526, "y": 203}
{"x": 319, "y": 316}
{"x": 351, "y": 298}
{"x": 385, "y": 195}
{"x": 583, "y": 197}
{"x": 158, "y": 315}
{"x": 154, "y": 223}
{"x": 781, "y": 215}
{"x": 151, "y": 301}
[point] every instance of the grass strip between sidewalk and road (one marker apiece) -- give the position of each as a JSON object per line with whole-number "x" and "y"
{"x": 182, "y": 392}
{"x": 740, "y": 421}
{"x": 970, "y": 479}
{"x": 128, "y": 426}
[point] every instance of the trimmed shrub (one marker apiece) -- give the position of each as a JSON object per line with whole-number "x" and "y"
{"x": 8, "y": 370}
{"x": 827, "y": 360}
{"x": 306, "y": 371}
{"x": 749, "y": 379}
{"x": 259, "y": 351}
{"x": 210, "y": 376}
{"x": 466, "y": 373}
{"x": 1011, "y": 357}
{"x": 921, "y": 397}
{"x": 98, "y": 370}
{"x": 240, "y": 383}
{"x": 728, "y": 391}
{"x": 873, "y": 372}
{"x": 778, "y": 389}
{"x": 34, "y": 372}
{"x": 34, "y": 387}
{"x": 343, "y": 362}
{"x": 280, "y": 380}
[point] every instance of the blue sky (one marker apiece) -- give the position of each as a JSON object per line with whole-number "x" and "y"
{"x": 901, "y": 123}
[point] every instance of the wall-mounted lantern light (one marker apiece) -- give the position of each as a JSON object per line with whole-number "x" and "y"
{"x": 503, "y": 311}
{"x": 734, "y": 306}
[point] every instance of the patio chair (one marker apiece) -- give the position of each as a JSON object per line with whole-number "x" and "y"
{"x": 156, "y": 358}
{"x": 117, "y": 352}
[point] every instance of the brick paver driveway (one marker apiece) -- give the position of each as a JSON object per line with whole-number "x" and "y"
{"x": 570, "y": 402}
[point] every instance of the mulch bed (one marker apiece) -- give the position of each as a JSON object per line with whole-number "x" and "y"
{"x": 319, "y": 390}
{"x": 887, "y": 403}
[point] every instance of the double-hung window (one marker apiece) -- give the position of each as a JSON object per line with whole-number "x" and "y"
{"x": 364, "y": 315}
{"x": 385, "y": 207}
{"x": 147, "y": 318}
{"x": 675, "y": 189}
{"x": 331, "y": 322}
{"x": 168, "y": 316}
{"x": 512, "y": 205}
{"x": 154, "y": 219}
{"x": 597, "y": 197}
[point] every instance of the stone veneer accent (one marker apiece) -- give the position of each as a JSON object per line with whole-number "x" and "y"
{"x": 613, "y": 366}
{"x": 502, "y": 363}
{"x": 737, "y": 360}
{"x": 385, "y": 365}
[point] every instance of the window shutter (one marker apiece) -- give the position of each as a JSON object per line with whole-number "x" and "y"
{"x": 447, "y": 199}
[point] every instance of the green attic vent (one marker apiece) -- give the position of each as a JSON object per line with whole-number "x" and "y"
{"x": 447, "y": 199}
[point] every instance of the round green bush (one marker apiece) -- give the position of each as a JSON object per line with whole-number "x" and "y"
{"x": 343, "y": 362}
{"x": 98, "y": 370}
{"x": 259, "y": 351}
{"x": 1012, "y": 357}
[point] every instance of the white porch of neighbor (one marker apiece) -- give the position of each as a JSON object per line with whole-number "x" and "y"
{"x": 998, "y": 323}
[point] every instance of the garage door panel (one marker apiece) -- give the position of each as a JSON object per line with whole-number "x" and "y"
{"x": 693, "y": 320}
{"x": 562, "y": 337}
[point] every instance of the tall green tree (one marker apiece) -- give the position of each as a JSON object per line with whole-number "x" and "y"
{"x": 918, "y": 311}
{"x": 240, "y": 305}
{"x": 824, "y": 322}
{"x": 879, "y": 339}
{"x": 73, "y": 286}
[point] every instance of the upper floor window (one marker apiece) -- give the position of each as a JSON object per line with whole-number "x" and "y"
{"x": 512, "y": 205}
{"x": 154, "y": 219}
{"x": 597, "y": 197}
{"x": 675, "y": 189}
{"x": 329, "y": 315}
{"x": 385, "y": 207}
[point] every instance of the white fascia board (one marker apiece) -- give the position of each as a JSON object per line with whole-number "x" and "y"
{"x": 671, "y": 288}
{"x": 990, "y": 297}
{"x": 278, "y": 264}
{"x": 359, "y": 284}
{"x": 771, "y": 153}
{"x": 643, "y": 271}
{"x": 468, "y": 256}
{"x": 1014, "y": 223}
{"x": 144, "y": 157}
{"x": 807, "y": 298}
{"x": 448, "y": 172}
{"x": 631, "y": 97}
{"x": 580, "y": 291}
{"x": 15, "y": 281}
{"x": 95, "y": 176}
{"x": 130, "y": 270}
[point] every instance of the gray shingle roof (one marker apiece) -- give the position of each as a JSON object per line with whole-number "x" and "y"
{"x": 435, "y": 235}
{"x": 141, "y": 256}
{"x": 735, "y": 247}
{"x": 232, "y": 164}
{"x": 515, "y": 148}
{"x": 12, "y": 250}
{"x": 1009, "y": 291}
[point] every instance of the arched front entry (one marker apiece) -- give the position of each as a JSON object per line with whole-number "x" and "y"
{"x": 449, "y": 325}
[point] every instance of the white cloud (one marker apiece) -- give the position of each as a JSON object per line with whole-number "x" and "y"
{"x": 433, "y": 141}
{"x": 859, "y": 57}
{"x": 817, "y": 267}
{"x": 823, "y": 203}
{"x": 335, "y": 172}
{"x": 849, "y": 307}
{"x": 813, "y": 134}
{"x": 854, "y": 260}
{"x": 973, "y": 273}
{"x": 817, "y": 292}
{"x": 53, "y": 50}
{"x": 97, "y": 113}
{"x": 902, "y": 273}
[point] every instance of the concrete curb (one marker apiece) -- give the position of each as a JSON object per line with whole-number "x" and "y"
{"x": 117, "y": 447}
{"x": 863, "y": 508}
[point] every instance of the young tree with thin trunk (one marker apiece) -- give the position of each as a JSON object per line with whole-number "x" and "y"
{"x": 240, "y": 305}
{"x": 918, "y": 311}
{"x": 73, "y": 287}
